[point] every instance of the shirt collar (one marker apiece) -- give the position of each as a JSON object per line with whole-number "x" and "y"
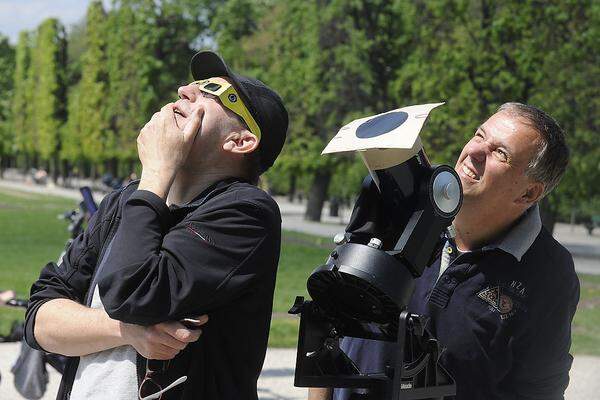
{"x": 522, "y": 235}
{"x": 206, "y": 193}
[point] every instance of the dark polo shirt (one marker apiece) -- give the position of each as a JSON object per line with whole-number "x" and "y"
{"x": 503, "y": 314}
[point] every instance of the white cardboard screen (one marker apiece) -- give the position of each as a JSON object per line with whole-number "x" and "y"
{"x": 386, "y": 139}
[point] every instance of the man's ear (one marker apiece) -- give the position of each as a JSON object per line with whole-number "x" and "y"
{"x": 243, "y": 142}
{"x": 532, "y": 194}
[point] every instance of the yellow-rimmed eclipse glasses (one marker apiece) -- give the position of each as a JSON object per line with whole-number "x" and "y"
{"x": 222, "y": 89}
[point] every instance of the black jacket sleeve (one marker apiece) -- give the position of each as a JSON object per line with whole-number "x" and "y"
{"x": 71, "y": 278}
{"x": 542, "y": 370}
{"x": 156, "y": 273}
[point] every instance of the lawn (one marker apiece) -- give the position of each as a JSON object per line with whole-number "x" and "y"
{"x": 31, "y": 235}
{"x": 586, "y": 325}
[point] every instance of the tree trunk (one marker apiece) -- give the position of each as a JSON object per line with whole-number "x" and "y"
{"x": 55, "y": 168}
{"x": 65, "y": 171}
{"x": 334, "y": 207}
{"x": 86, "y": 169}
{"x": 27, "y": 164}
{"x": 112, "y": 166}
{"x": 292, "y": 190}
{"x": 317, "y": 195}
{"x": 548, "y": 214}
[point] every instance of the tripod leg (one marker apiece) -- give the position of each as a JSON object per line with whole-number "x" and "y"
{"x": 399, "y": 363}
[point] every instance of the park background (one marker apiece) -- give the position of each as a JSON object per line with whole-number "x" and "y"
{"x": 74, "y": 96}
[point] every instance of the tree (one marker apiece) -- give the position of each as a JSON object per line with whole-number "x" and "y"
{"x": 130, "y": 89}
{"x": 7, "y": 67}
{"x": 97, "y": 142}
{"x": 50, "y": 100}
{"x": 575, "y": 103}
{"x": 20, "y": 110}
{"x": 71, "y": 152}
{"x": 340, "y": 68}
{"x": 147, "y": 58}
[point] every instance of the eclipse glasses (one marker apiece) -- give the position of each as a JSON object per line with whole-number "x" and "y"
{"x": 222, "y": 89}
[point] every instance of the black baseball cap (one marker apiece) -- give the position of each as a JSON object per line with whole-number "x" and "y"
{"x": 263, "y": 103}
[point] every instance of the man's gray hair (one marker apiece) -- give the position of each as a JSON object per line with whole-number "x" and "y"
{"x": 550, "y": 162}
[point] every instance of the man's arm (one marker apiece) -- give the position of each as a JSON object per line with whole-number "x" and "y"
{"x": 319, "y": 393}
{"x": 65, "y": 327}
{"x": 542, "y": 371}
{"x": 57, "y": 322}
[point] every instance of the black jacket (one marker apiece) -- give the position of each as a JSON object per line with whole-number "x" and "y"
{"x": 217, "y": 255}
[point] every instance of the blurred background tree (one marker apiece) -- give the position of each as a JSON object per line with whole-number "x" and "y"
{"x": 7, "y": 70}
{"x": 49, "y": 99}
{"x": 330, "y": 60}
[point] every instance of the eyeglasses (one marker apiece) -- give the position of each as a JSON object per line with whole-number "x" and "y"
{"x": 156, "y": 380}
{"x": 229, "y": 98}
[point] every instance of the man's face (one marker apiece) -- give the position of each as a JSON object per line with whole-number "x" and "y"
{"x": 217, "y": 121}
{"x": 492, "y": 164}
{"x": 192, "y": 98}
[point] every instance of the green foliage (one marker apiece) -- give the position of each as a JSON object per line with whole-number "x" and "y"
{"x": 49, "y": 100}
{"x": 97, "y": 143}
{"x": 339, "y": 68}
{"x": 7, "y": 67}
{"x": 71, "y": 133}
{"x": 21, "y": 94}
{"x": 129, "y": 90}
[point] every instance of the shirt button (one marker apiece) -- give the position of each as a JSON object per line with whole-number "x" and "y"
{"x": 446, "y": 279}
{"x": 449, "y": 250}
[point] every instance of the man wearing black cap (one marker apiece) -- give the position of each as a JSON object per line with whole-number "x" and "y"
{"x": 193, "y": 241}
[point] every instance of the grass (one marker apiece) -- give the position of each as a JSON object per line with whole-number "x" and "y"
{"x": 300, "y": 255}
{"x": 31, "y": 235}
{"x": 586, "y": 324}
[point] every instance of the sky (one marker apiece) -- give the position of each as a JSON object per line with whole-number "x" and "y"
{"x": 17, "y": 15}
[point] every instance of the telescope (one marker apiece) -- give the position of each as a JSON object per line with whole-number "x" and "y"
{"x": 397, "y": 226}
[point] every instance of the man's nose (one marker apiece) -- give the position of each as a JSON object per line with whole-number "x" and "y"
{"x": 478, "y": 152}
{"x": 187, "y": 92}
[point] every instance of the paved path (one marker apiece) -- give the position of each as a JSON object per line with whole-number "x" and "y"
{"x": 276, "y": 380}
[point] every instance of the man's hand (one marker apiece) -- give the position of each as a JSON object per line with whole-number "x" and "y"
{"x": 6, "y": 295}
{"x": 162, "y": 341}
{"x": 163, "y": 148}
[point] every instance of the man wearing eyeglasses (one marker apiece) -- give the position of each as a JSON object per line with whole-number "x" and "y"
{"x": 193, "y": 241}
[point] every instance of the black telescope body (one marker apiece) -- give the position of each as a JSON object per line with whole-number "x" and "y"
{"x": 363, "y": 289}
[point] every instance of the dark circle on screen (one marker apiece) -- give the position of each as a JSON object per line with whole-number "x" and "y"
{"x": 381, "y": 125}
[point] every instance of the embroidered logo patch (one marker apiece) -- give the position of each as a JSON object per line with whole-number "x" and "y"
{"x": 498, "y": 301}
